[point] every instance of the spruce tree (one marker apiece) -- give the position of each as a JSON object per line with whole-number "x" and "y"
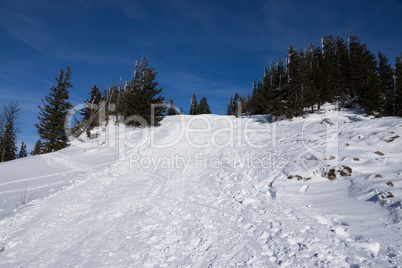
{"x": 294, "y": 85}
{"x": 278, "y": 80}
{"x": 193, "y": 105}
{"x": 233, "y": 105}
{"x": 230, "y": 109}
{"x": 342, "y": 93}
{"x": 356, "y": 62}
{"x": 329, "y": 65}
{"x": 23, "y": 150}
{"x": 386, "y": 81}
{"x": 365, "y": 89}
{"x": 203, "y": 107}
{"x": 236, "y": 99}
{"x": 142, "y": 97}
{"x": 53, "y": 114}
{"x": 10, "y": 143}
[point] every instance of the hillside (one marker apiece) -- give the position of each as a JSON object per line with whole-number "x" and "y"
{"x": 211, "y": 191}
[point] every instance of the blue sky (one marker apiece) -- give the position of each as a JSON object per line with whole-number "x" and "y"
{"x": 211, "y": 48}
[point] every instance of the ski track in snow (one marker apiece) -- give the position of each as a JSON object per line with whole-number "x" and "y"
{"x": 117, "y": 215}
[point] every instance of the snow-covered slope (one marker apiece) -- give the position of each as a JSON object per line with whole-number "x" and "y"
{"x": 211, "y": 191}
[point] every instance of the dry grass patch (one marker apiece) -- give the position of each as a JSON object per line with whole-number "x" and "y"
{"x": 377, "y": 176}
{"x": 390, "y": 183}
{"x": 356, "y": 159}
{"x": 379, "y": 153}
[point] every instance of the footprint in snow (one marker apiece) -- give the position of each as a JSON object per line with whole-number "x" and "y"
{"x": 322, "y": 220}
{"x": 272, "y": 192}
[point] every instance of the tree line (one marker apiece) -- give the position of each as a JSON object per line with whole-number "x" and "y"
{"x": 339, "y": 71}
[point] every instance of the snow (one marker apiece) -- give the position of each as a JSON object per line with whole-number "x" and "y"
{"x": 211, "y": 190}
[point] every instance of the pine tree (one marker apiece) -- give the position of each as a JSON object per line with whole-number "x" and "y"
{"x": 251, "y": 101}
{"x": 38, "y": 149}
{"x": 53, "y": 114}
{"x": 142, "y": 97}
{"x": 8, "y": 131}
{"x": 23, "y": 150}
{"x": 386, "y": 81}
{"x": 193, "y": 105}
{"x": 172, "y": 108}
{"x": 203, "y": 107}
{"x": 230, "y": 109}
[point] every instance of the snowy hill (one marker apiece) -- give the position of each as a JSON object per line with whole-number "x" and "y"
{"x": 211, "y": 190}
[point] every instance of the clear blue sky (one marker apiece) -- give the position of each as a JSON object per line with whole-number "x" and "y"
{"x": 211, "y": 48}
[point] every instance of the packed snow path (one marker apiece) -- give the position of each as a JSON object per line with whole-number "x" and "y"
{"x": 211, "y": 199}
